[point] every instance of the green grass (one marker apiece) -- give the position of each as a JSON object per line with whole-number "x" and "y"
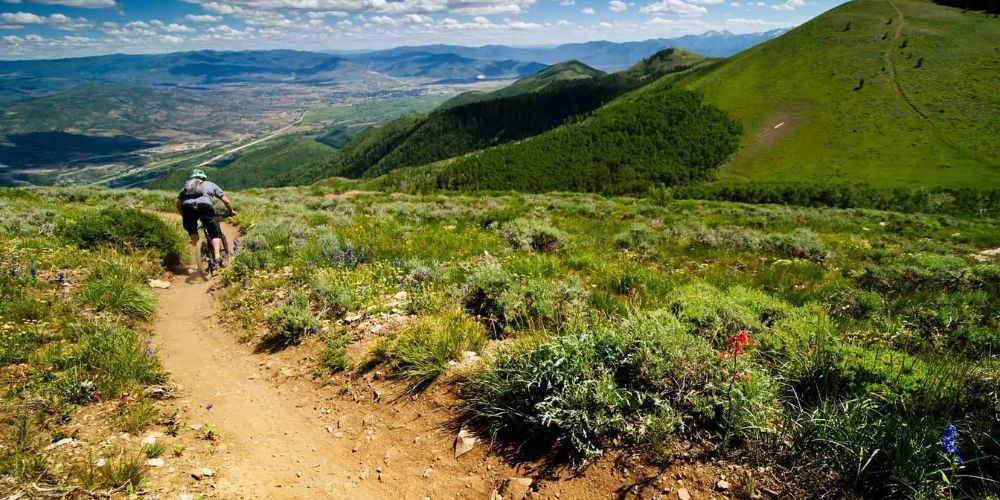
{"x": 73, "y": 301}
{"x": 806, "y": 80}
{"x": 871, "y": 330}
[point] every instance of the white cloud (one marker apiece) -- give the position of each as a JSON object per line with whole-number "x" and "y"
{"x": 617, "y": 6}
{"x": 469, "y": 7}
{"x": 567, "y": 3}
{"x": 86, "y": 4}
{"x": 742, "y": 25}
{"x": 14, "y": 20}
{"x": 203, "y": 18}
{"x": 178, "y": 28}
{"x": 678, "y": 7}
{"x": 789, "y": 5}
{"x": 735, "y": 4}
{"x": 66, "y": 23}
{"x": 588, "y": 11}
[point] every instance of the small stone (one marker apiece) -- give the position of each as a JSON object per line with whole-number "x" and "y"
{"x": 100, "y": 462}
{"x": 427, "y": 472}
{"x": 516, "y": 488}
{"x": 202, "y": 473}
{"x": 61, "y": 442}
{"x": 722, "y": 485}
{"x": 329, "y": 429}
{"x": 195, "y": 427}
{"x": 338, "y": 435}
{"x": 682, "y": 494}
{"x": 159, "y": 284}
{"x": 464, "y": 442}
{"x": 399, "y": 295}
{"x": 150, "y": 439}
{"x": 353, "y": 318}
{"x": 155, "y": 462}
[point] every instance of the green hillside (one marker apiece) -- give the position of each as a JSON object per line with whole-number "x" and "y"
{"x": 280, "y": 163}
{"x": 656, "y": 135}
{"x": 562, "y": 72}
{"x": 561, "y": 94}
{"x": 671, "y": 60}
{"x": 900, "y": 92}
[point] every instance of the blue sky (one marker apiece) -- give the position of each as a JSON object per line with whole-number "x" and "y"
{"x": 60, "y": 28}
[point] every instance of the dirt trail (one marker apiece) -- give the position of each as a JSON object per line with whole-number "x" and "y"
{"x": 890, "y": 62}
{"x": 269, "y": 443}
{"x": 283, "y": 435}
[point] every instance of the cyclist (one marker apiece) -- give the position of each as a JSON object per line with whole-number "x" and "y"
{"x": 194, "y": 203}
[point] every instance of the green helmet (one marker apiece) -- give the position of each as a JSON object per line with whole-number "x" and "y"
{"x": 198, "y": 174}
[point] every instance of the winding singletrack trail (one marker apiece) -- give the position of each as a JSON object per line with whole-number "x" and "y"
{"x": 273, "y": 448}
{"x": 890, "y": 62}
{"x": 283, "y": 435}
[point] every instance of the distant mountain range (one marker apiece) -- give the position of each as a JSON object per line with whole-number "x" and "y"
{"x": 271, "y": 66}
{"x": 601, "y": 54}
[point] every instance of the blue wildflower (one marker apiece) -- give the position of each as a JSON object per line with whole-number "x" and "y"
{"x": 949, "y": 441}
{"x": 13, "y": 271}
{"x": 243, "y": 284}
{"x": 149, "y": 348}
{"x": 397, "y": 262}
{"x": 34, "y": 273}
{"x": 60, "y": 277}
{"x": 313, "y": 330}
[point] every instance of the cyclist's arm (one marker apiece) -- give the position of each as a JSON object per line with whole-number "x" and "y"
{"x": 226, "y": 201}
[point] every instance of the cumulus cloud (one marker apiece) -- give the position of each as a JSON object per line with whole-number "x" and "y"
{"x": 14, "y": 20}
{"x": 86, "y": 4}
{"x": 679, "y": 7}
{"x": 17, "y": 20}
{"x": 588, "y": 11}
{"x": 469, "y": 7}
{"x": 617, "y": 6}
{"x": 66, "y": 23}
{"x": 203, "y": 18}
{"x": 789, "y": 5}
{"x": 743, "y": 25}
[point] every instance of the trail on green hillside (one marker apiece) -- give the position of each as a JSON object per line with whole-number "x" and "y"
{"x": 890, "y": 63}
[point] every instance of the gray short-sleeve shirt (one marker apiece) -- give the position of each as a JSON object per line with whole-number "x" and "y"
{"x": 208, "y": 190}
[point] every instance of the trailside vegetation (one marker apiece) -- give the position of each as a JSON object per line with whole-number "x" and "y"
{"x": 827, "y": 349}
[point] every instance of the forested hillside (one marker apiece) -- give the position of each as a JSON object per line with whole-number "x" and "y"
{"x": 562, "y": 94}
{"x": 658, "y": 135}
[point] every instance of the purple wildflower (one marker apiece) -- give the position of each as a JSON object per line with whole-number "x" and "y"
{"x": 61, "y": 277}
{"x": 209, "y": 406}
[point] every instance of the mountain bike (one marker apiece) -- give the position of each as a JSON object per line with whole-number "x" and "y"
{"x": 207, "y": 263}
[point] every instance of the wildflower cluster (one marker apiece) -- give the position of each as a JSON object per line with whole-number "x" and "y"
{"x": 737, "y": 343}
{"x": 949, "y": 441}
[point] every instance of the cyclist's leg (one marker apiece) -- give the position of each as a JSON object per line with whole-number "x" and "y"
{"x": 211, "y": 224}
{"x": 189, "y": 219}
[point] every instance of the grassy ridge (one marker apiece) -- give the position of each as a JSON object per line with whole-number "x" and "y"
{"x": 837, "y": 130}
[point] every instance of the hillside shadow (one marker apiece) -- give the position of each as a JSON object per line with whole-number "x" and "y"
{"x": 47, "y": 149}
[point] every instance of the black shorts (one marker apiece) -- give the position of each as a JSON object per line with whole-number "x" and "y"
{"x": 191, "y": 214}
